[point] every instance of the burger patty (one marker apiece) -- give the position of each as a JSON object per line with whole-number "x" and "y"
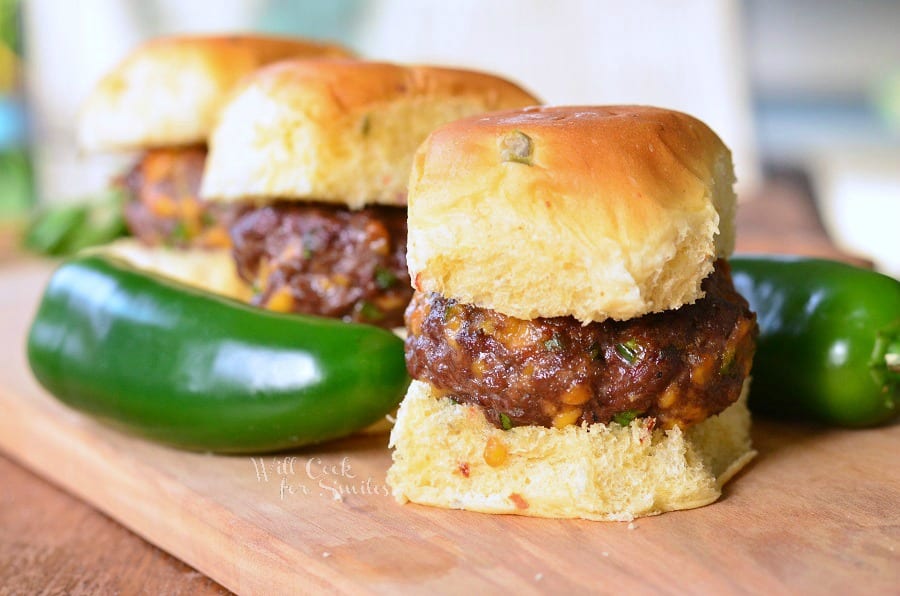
{"x": 325, "y": 260}
{"x": 679, "y": 366}
{"x": 165, "y": 207}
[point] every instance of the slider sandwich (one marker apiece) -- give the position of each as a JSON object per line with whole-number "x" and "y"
{"x": 317, "y": 154}
{"x": 576, "y": 343}
{"x": 162, "y": 101}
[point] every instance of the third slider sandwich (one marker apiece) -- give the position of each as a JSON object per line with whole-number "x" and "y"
{"x": 576, "y": 343}
{"x": 162, "y": 101}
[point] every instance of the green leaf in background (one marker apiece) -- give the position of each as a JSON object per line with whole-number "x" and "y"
{"x": 16, "y": 188}
{"x": 10, "y": 29}
{"x": 65, "y": 229}
{"x": 47, "y": 232}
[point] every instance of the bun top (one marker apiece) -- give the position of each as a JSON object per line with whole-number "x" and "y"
{"x": 168, "y": 91}
{"x": 591, "y": 212}
{"x": 339, "y": 131}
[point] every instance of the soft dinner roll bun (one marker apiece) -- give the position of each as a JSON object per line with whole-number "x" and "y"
{"x": 594, "y": 212}
{"x": 210, "y": 270}
{"x": 339, "y": 131}
{"x": 593, "y": 472}
{"x": 167, "y": 92}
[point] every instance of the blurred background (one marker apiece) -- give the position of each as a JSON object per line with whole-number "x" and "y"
{"x": 806, "y": 93}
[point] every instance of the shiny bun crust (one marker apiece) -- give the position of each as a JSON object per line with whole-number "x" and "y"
{"x": 594, "y": 212}
{"x": 597, "y": 472}
{"x": 168, "y": 91}
{"x": 339, "y": 131}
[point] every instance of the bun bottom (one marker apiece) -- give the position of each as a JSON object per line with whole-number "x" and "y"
{"x": 597, "y": 472}
{"x": 210, "y": 270}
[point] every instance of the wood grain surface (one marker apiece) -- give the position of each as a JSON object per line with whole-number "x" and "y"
{"x": 51, "y": 542}
{"x": 816, "y": 513}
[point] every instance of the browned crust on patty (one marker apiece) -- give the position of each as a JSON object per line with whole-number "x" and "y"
{"x": 326, "y": 260}
{"x": 679, "y": 367}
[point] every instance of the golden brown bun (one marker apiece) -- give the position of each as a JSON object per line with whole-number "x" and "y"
{"x": 168, "y": 91}
{"x": 621, "y": 211}
{"x": 210, "y": 270}
{"x": 593, "y": 472}
{"x": 339, "y": 131}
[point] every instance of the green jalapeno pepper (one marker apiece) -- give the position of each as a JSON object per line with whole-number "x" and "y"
{"x": 829, "y": 343}
{"x": 203, "y": 372}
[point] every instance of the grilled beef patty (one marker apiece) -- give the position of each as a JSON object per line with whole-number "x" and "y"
{"x": 326, "y": 260}
{"x": 165, "y": 207}
{"x": 679, "y": 366}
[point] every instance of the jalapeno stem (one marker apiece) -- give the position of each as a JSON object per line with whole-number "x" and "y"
{"x": 885, "y": 361}
{"x": 892, "y": 357}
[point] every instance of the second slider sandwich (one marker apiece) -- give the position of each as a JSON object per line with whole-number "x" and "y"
{"x": 318, "y": 152}
{"x": 576, "y": 343}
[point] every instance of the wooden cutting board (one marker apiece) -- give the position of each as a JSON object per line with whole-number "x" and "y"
{"x": 818, "y": 511}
